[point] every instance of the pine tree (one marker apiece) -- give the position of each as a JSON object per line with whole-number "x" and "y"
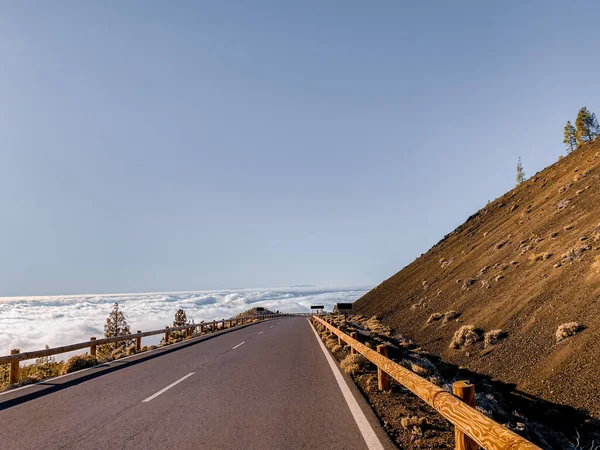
{"x": 520, "y": 172}
{"x": 587, "y": 127}
{"x": 180, "y": 318}
{"x": 116, "y": 325}
{"x": 570, "y": 137}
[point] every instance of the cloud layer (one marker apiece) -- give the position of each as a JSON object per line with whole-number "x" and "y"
{"x": 29, "y": 323}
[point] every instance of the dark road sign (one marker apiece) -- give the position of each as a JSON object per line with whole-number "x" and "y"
{"x": 341, "y": 306}
{"x": 317, "y": 307}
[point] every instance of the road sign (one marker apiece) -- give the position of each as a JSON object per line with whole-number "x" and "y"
{"x": 259, "y": 309}
{"x": 317, "y": 307}
{"x": 342, "y": 306}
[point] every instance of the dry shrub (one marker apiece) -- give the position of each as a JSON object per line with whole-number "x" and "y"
{"x": 450, "y": 315}
{"x": 330, "y": 343}
{"x": 596, "y": 233}
{"x": 466, "y": 336}
{"x": 413, "y": 424}
{"x": 434, "y": 317}
{"x": 493, "y": 337}
{"x": 568, "y": 329}
{"x": 354, "y": 364}
{"x": 596, "y": 264}
{"x": 501, "y": 244}
{"x": 336, "y": 348}
{"x": 419, "y": 370}
{"x": 375, "y": 325}
{"x": 79, "y": 362}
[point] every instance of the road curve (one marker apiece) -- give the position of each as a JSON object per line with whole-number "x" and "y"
{"x": 264, "y": 386}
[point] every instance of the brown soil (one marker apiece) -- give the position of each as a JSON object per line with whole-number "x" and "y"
{"x": 412, "y": 424}
{"x": 525, "y": 264}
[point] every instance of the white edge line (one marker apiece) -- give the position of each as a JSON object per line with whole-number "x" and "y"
{"x": 366, "y": 430}
{"x": 152, "y": 397}
{"x": 242, "y": 343}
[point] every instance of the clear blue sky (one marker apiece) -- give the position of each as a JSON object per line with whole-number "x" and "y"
{"x": 151, "y": 146}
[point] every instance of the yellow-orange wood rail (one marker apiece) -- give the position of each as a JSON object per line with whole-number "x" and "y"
{"x": 486, "y": 432}
{"x": 216, "y": 325}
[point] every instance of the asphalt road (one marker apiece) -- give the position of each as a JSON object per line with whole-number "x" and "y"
{"x": 264, "y": 386}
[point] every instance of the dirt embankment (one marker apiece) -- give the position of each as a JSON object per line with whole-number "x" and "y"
{"x": 514, "y": 292}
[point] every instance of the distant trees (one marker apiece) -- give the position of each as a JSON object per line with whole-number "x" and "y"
{"x": 570, "y": 139}
{"x": 587, "y": 127}
{"x": 520, "y": 172}
{"x": 116, "y": 325}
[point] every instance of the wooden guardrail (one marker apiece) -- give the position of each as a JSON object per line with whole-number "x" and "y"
{"x": 473, "y": 428}
{"x": 16, "y": 356}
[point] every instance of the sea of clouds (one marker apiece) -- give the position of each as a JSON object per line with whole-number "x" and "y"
{"x": 30, "y": 323}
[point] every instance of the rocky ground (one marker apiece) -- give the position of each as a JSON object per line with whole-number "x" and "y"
{"x": 412, "y": 424}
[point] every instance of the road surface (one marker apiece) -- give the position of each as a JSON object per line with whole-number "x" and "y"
{"x": 264, "y": 386}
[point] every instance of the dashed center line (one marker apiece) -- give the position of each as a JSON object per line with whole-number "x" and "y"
{"x": 271, "y": 326}
{"x": 152, "y": 397}
{"x": 242, "y": 343}
{"x": 261, "y": 332}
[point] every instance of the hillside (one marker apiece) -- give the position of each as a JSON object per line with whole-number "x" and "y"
{"x": 526, "y": 263}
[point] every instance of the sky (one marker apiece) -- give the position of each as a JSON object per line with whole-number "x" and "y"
{"x": 161, "y": 146}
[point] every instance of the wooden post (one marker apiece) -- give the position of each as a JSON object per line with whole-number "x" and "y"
{"x": 188, "y": 332}
{"x": 14, "y": 368}
{"x": 93, "y": 347}
{"x": 201, "y": 329}
{"x": 466, "y": 392}
{"x": 138, "y": 343}
{"x": 383, "y": 381}
{"x": 167, "y": 334}
{"x": 353, "y": 335}
{"x": 214, "y": 325}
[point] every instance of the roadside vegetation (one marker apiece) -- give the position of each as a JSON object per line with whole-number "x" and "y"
{"x": 412, "y": 424}
{"x": 116, "y": 325}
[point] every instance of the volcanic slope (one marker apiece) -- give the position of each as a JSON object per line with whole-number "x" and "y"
{"x": 525, "y": 264}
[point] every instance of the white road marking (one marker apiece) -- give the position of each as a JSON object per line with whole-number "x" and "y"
{"x": 152, "y": 397}
{"x": 261, "y": 332}
{"x": 103, "y": 365}
{"x": 271, "y": 326}
{"x": 364, "y": 426}
{"x": 238, "y": 345}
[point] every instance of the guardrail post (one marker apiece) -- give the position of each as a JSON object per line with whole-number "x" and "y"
{"x": 14, "y": 368}
{"x": 167, "y": 334}
{"x": 138, "y": 342}
{"x": 464, "y": 390}
{"x": 188, "y": 332}
{"x": 214, "y": 325}
{"x": 92, "y": 347}
{"x": 383, "y": 381}
{"x": 353, "y": 335}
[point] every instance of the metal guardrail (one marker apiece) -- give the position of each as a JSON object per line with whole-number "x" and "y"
{"x": 480, "y": 429}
